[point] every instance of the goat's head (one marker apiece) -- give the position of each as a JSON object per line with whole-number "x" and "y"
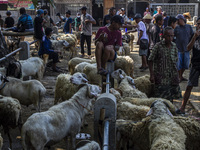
{"x": 93, "y": 91}
{"x": 131, "y": 81}
{"x": 159, "y": 108}
{"x": 118, "y": 74}
{"x": 79, "y": 78}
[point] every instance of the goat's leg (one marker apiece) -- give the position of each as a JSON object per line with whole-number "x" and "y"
{"x": 10, "y": 139}
{"x": 73, "y": 141}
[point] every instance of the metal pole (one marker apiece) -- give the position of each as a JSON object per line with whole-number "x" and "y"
{"x": 107, "y": 83}
{"x": 33, "y": 42}
{"x": 8, "y": 55}
{"x": 15, "y": 51}
{"x": 106, "y": 135}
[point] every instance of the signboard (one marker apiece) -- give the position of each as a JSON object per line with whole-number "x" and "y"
{"x": 17, "y": 4}
{"x": 3, "y": 1}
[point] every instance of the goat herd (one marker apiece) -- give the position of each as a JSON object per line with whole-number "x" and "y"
{"x": 143, "y": 122}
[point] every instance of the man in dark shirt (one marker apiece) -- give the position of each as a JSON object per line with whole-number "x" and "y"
{"x": 112, "y": 12}
{"x": 9, "y": 21}
{"x": 156, "y": 31}
{"x": 183, "y": 33}
{"x": 38, "y": 30}
{"x": 68, "y": 22}
{"x": 195, "y": 69}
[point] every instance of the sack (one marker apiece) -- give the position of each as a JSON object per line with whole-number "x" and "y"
{"x": 144, "y": 44}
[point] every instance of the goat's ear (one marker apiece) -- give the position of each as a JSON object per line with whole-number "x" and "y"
{"x": 84, "y": 75}
{"x": 90, "y": 94}
{"x": 166, "y": 104}
{"x": 5, "y": 79}
{"x": 150, "y": 112}
{"x": 169, "y": 113}
{"x": 152, "y": 105}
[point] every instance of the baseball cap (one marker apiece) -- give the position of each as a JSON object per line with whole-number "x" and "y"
{"x": 83, "y": 8}
{"x": 137, "y": 16}
{"x": 180, "y": 16}
{"x": 122, "y": 9}
{"x": 40, "y": 11}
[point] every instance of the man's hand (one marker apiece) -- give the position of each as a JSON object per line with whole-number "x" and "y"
{"x": 87, "y": 21}
{"x": 197, "y": 33}
{"x": 152, "y": 79}
{"x": 103, "y": 37}
{"x": 138, "y": 42}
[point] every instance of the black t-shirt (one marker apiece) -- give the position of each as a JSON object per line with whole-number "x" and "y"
{"x": 196, "y": 54}
{"x": 155, "y": 35}
{"x": 9, "y": 21}
{"x": 38, "y": 30}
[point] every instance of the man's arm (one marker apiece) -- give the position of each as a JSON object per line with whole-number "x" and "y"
{"x": 191, "y": 44}
{"x": 140, "y": 35}
{"x": 151, "y": 71}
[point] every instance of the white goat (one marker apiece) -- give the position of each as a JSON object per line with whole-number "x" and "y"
{"x": 90, "y": 146}
{"x": 27, "y": 92}
{"x": 60, "y": 121}
{"x": 32, "y": 67}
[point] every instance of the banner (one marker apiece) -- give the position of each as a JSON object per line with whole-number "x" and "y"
{"x": 17, "y": 4}
{"x": 3, "y": 1}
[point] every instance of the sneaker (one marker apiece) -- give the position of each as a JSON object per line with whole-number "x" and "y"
{"x": 179, "y": 112}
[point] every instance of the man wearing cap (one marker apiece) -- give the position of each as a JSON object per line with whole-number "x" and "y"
{"x": 183, "y": 33}
{"x": 68, "y": 22}
{"x": 106, "y": 19}
{"x": 86, "y": 30}
{"x": 38, "y": 23}
{"x": 48, "y": 20}
{"x": 9, "y": 21}
{"x": 123, "y": 14}
{"x": 147, "y": 21}
{"x": 143, "y": 41}
{"x": 107, "y": 41}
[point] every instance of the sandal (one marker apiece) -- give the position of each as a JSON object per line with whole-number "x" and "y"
{"x": 102, "y": 71}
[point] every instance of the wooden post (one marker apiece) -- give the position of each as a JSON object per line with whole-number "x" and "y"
{"x": 107, "y": 4}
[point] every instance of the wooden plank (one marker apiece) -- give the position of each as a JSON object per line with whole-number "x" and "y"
{"x": 11, "y": 33}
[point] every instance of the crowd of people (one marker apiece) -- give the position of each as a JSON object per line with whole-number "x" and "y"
{"x": 164, "y": 43}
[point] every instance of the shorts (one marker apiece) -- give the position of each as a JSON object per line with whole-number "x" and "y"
{"x": 193, "y": 77}
{"x": 168, "y": 92}
{"x": 143, "y": 52}
{"x": 183, "y": 60}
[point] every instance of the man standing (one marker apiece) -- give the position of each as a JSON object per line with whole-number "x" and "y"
{"x": 48, "y": 20}
{"x": 106, "y": 20}
{"x": 108, "y": 40}
{"x": 38, "y": 30}
{"x": 195, "y": 69}
{"x": 86, "y": 30}
{"x": 143, "y": 41}
{"x": 156, "y": 31}
{"x": 183, "y": 33}
{"x": 163, "y": 69}
{"x": 68, "y": 22}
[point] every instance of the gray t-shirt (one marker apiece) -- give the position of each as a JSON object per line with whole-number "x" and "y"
{"x": 183, "y": 35}
{"x": 86, "y": 28}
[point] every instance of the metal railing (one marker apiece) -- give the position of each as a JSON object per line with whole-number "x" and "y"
{"x": 15, "y": 51}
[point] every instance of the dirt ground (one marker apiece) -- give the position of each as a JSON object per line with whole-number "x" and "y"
{"x": 49, "y": 82}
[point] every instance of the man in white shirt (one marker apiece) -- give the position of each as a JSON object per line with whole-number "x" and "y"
{"x": 143, "y": 41}
{"x": 86, "y": 30}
